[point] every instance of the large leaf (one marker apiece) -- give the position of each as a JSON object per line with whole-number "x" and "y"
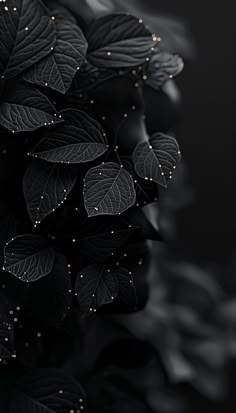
{"x": 24, "y": 108}
{"x": 96, "y": 285}
{"x": 55, "y": 291}
{"x": 119, "y": 40}
{"x": 163, "y": 66}
{"x": 47, "y": 391}
{"x": 28, "y": 257}
{"x": 57, "y": 70}
{"x": 46, "y": 187}
{"x": 79, "y": 139}
{"x": 27, "y": 35}
{"x": 108, "y": 190}
{"x": 105, "y": 240}
{"x": 156, "y": 160}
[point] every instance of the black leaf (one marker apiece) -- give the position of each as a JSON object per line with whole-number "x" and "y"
{"x": 28, "y": 257}
{"x": 119, "y": 40}
{"x": 46, "y": 187}
{"x": 96, "y": 285}
{"x": 55, "y": 292}
{"x": 127, "y": 296}
{"x": 24, "y": 108}
{"x": 27, "y": 35}
{"x": 58, "y": 69}
{"x": 108, "y": 190}
{"x": 163, "y": 67}
{"x": 79, "y": 139}
{"x": 155, "y": 160}
{"x": 47, "y": 390}
{"x": 101, "y": 245}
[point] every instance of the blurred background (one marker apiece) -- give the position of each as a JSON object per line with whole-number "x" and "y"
{"x": 208, "y": 131}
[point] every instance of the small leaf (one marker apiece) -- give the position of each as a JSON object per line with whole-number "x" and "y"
{"x": 55, "y": 291}
{"x": 119, "y": 40}
{"x": 127, "y": 296}
{"x": 47, "y": 390}
{"x": 78, "y": 139}
{"x": 46, "y": 187}
{"x": 155, "y": 160}
{"x": 58, "y": 69}
{"x": 24, "y": 108}
{"x": 105, "y": 240}
{"x": 163, "y": 67}
{"x": 96, "y": 285}
{"x": 108, "y": 190}
{"x": 26, "y": 36}
{"x": 28, "y": 257}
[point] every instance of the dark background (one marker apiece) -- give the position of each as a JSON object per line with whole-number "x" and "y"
{"x": 208, "y": 131}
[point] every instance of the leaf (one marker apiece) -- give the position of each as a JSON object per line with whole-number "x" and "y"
{"x": 47, "y": 390}
{"x": 27, "y": 35}
{"x": 155, "y": 160}
{"x": 28, "y": 257}
{"x": 96, "y": 286}
{"x": 46, "y": 187}
{"x": 105, "y": 240}
{"x": 78, "y": 139}
{"x": 163, "y": 66}
{"x": 108, "y": 190}
{"x": 55, "y": 291}
{"x": 58, "y": 69}
{"x": 24, "y": 108}
{"x": 119, "y": 40}
{"x": 127, "y": 294}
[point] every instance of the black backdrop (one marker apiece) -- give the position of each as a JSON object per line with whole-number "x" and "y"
{"x": 208, "y": 132}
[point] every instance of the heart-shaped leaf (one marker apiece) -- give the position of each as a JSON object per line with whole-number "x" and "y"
{"x": 28, "y": 257}
{"x": 24, "y": 108}
{"x": 27, "y": 35}
{"x": 55, "y": 291}
{"x": 163, "y": 66}
{"x": 57, "y": 70}
{"x": 96, "y": 285}
{"x": 78, "y": 139}
{"x": 155, "y": 160}
{"x": 108, "y": 190}
{"x": 119, "y": 40}
{"x": 47, "y": 390}
{"x": 46, "y": 187}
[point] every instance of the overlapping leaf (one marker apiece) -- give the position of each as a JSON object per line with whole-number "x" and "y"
{"x": 47, "y": 390}
{"x": 27, "y": 35}
{"x": 96, "y": 285}
{"x": 108, "y": 190}
{"x": 55, "y": 291}
{"x": 24, "y": 108}
{"x": 78, "y": 139}
{"x": 163, "y": 66}
{"x": 28, "y": 257}
{"x": 105, "y": 240}
{"x": 156, "y": 160}
{"x": 46, "y": 187}
{"x": 57, "y": 70}
{"x": 119, "y": 40}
